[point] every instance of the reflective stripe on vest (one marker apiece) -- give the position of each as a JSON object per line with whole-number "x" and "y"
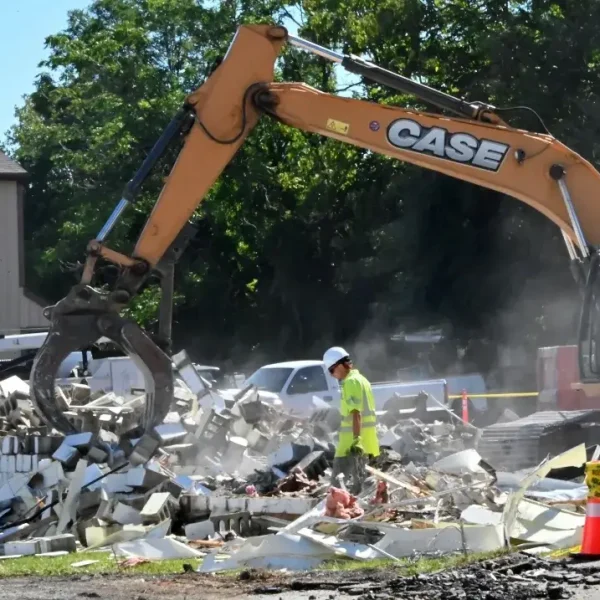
{"x": 368, "y": 417}
{"x": 350, "y": 428}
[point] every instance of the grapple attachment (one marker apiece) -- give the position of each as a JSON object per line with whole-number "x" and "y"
{"x": 79, "y": 320}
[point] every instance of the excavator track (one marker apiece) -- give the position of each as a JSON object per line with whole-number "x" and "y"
{"x": 528, "y": 441}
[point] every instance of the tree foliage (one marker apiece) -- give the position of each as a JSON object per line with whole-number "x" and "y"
{"x": 305, "y": 242}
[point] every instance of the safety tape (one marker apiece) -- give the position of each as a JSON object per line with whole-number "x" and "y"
{"x": 508, "y": 395}
{"x": 592, "y": 480}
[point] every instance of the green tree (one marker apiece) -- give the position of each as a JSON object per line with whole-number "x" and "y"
{"x": 304, "y": 241}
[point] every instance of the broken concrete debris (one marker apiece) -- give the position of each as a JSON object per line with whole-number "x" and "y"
{"x": 514, "y": 577}
{"x": 234, "y": 480}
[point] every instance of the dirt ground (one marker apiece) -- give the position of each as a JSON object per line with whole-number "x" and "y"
{"x": 256, "y": 586}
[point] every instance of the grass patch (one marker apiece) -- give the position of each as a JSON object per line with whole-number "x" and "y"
{"x": 408, "y": 567}
{"x": 48, "y": 566}
{"x": 57, "y": 566}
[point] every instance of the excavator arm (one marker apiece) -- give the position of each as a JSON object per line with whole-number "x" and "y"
{"x": 476, "y": 146}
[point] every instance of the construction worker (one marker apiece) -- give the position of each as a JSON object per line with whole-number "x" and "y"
{"x": 358, "y": 434}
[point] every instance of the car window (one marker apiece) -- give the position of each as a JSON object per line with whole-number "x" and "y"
{"x": 308, "y": 380}
{"x": 271, "y": 379}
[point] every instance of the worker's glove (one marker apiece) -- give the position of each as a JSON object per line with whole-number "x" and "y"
{"x": 357, "y": 447}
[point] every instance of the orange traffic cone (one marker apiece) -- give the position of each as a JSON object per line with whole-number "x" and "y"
{"x": 465, "y": 407}
{"x": 590, "y": 545}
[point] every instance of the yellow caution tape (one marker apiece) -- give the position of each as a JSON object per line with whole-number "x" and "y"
{"x": 508, "y": 395}
{"x": 592, "y": 479}
{"x": 563, "y": 552}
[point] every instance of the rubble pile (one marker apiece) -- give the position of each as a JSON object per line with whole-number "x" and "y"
{"x": 517, "y": 577}
{"x": 232, "y": 479}
{"x": 425, "y": 443}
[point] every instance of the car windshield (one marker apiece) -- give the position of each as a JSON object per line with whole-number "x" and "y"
{"x": 271, "y": 379}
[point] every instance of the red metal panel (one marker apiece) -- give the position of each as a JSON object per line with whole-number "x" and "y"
{"x": 557, "y": 371}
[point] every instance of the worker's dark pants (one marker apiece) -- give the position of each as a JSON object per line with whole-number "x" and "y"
{"x": 352, "y": 466}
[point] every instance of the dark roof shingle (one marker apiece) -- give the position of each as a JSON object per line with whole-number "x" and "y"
{"x": 9, "y": 169}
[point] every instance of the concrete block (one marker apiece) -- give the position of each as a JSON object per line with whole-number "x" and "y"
{"x": 280, "y": 506}
{"x": 104, "y": 511}
{"x": 193, "y": 506}
{"x": 249, "y": 465}
{"x": 187, "y": 484}
{"x": 54, "y": 442}
{"x": 88, "y": 500}
{"x": 92, "y": 473}
{"x": 27, "y": 499}
{"x": 188, "y": 372}
{"x": 41, "y": 445}
{"x": 115, "y": 483}
{"x": 257, "y": 440}
{"x": 26, "y": 463}
{"x": 108, "y": 437}
{"x": 80, "y": 393}
{"x": 61, "y": 399}
{"x": 135, "y": 501}
{"x": 17, "y": 482}
{"x": 200, "y": 530}
{"x": 22, "y": 548}
{"x": 388, "y": 438}
{"x": 26, "y": 444}
{"x": 287, "y": 453}
{"x": 126, "y": 515}
{"x": 171, "y": 433}
{"x": 144, "y": 477}
{"x": 8, "y": 444}
{"x": 160, "y": 506}
{"x": 67, "y": 455}
{"x": 314, "y": 465}
{"x": 236, "y": 504}
{"x": 52, "y": 472}
{"x": 14, "y": 385}
{"x": 58, "y": 543}
{"x": 240, "y": 428}
{"x": 171, "y": 417}
{"x": 172, "y": 487}
{"x": 144, "y": 450}
{"x": 97, "y": 455}
{"x": 234, "y": 453}
{"x": 218, "y": 504}
{"x": 82, "y": 441}
{"x": 252, "y": 409}
{"x": 182, "y": 452}
{"x": 96, "y": 535}
{"x": 239, "y": 522}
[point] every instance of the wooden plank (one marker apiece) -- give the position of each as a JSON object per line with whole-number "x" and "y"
{"x": 407, "y": 486}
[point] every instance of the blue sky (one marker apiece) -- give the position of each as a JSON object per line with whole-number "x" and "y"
{"x": 24, "y": 25}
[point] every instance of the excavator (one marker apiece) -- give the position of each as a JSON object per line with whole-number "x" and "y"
{"x": 475, "y": 144}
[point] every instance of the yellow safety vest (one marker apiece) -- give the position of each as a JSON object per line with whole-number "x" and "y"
{"x": 357, "y": 395}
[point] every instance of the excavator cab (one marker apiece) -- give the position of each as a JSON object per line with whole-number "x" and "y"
{"x": 474, "y": 144}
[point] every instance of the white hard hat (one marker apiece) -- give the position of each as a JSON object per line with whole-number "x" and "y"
{"x": 333, "y": 356}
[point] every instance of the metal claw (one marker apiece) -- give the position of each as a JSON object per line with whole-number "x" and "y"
{"x": 80, "y": 319}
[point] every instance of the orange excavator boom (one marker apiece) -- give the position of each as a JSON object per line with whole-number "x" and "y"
{"x": 477, "y": 146}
